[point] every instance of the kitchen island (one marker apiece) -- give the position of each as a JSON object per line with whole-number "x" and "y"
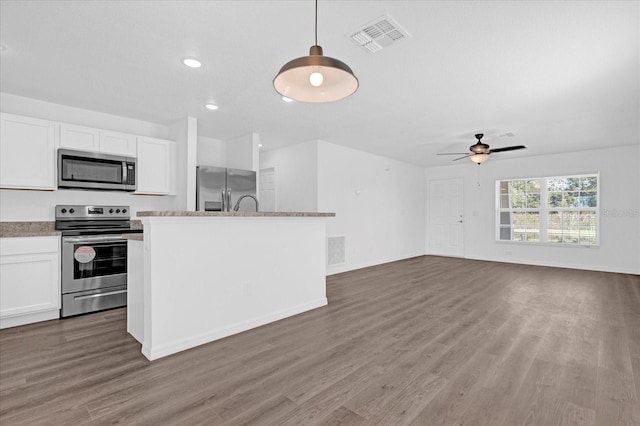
{"x": 195, "y": 277}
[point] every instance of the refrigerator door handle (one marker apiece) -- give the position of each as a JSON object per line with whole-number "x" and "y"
{"x": 224, "y": 200}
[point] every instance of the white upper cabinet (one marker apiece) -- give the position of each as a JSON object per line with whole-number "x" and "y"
{"x": 117, "y": 143}
{"x": 80, "y": 138}
{"x": 27, "y": 153}
{"x": 155, "y": 163}
{"x": 96, "y": 140}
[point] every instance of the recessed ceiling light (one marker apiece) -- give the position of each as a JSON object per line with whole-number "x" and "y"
{"x": 191, "y": 62}
{"x": 284, "y": 98}
{"x": 212, "y": 107}
{"x": 259, "y": 145}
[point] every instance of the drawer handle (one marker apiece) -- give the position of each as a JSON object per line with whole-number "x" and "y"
{"x": 92, "y": 296}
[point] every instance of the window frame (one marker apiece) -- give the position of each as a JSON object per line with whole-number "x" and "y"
{"x": 544, "y": 210}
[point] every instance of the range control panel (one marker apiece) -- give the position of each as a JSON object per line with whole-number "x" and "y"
{"x": 92, "y": 212}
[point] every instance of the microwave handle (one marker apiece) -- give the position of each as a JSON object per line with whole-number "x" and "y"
{"x": 124, "y": 172}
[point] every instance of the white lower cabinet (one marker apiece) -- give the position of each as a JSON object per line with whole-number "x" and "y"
{"x": 155, "y": 165}
{"x": 29, "y": 280}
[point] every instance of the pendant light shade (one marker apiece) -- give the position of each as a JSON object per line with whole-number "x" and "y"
{"x": 315, "y": 78}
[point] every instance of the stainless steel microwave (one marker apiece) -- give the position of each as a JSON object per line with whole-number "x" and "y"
{"x": 94, "y": 170}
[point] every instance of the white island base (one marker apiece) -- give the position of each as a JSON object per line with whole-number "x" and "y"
{"x": 200, "y": 276}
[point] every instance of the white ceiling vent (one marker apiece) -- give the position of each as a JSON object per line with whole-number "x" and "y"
{"x": 381, "y": 33}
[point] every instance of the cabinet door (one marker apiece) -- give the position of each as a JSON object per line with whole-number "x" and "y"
{"x": 78, "y": 137}
{"x": 29, "y": 275}
{"x": 27, "y": 153}
{"x": 117, "y": 143}
{"x": 155, "y": 163}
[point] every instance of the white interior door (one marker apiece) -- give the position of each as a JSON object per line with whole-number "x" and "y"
{"x": 446, "y": 221}
{"x": 267, "y": 187}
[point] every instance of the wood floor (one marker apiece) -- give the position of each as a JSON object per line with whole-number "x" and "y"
{"x": 425, "y": 341}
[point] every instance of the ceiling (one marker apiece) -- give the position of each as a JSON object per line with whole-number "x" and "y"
{"x": 559, "y": 75}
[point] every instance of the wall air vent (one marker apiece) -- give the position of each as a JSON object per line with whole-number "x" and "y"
{"x": 335, "y": 250}
{"x": 381, "y": 33}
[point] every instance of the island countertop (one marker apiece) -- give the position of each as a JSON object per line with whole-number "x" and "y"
{"x": 161, "y": 213}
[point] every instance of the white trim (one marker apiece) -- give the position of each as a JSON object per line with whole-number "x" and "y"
{"x": 597, "y": 268}
{"x": 23, "y": 319}
{"x": 160, "y": 351}
{"x": 552, "y": 264}
{"x": 351, "y": 267}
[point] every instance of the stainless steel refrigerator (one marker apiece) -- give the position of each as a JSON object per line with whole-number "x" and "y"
{"x": 219, "y": 189}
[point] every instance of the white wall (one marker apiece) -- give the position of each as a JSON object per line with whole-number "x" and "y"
{"x": 26, "y": 205}
{"x": 619, "y": 249}
{"x": 211, "y": 152}
{"x": 19, "y": 105}
{"x": 242, "y": 152}
{"x": 379, "y": 205}
{"x": 185, "y": 133}
{"x": 296, "y": 176}
{"x": 239, "y": 153}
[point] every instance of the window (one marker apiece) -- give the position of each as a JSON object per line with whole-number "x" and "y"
{"x": 558, "y": 210}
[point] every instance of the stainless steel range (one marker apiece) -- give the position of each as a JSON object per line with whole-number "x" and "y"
{"x": 94, "y": 257}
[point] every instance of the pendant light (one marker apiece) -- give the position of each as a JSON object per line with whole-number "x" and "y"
{"x": 315, "y": 78}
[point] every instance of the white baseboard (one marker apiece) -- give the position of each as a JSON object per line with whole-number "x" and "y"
{"x": 337, "y": 269}
{"x": 153, "y": 353}
{"x": 551, "y": 264}
{"x": 24, "y": 319}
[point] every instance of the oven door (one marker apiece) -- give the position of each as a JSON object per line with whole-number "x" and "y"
{"x": 93, "y": 262}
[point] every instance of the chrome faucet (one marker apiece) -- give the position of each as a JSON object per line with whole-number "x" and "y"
{"x": 237, "y": 206}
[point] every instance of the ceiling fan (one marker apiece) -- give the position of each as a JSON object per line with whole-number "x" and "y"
{"x": 480, "y": 151}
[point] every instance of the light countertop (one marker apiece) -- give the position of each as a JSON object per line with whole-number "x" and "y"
{"x": 232, "y": 214}
{"x": 39, "y": 229}
{"x": 28, "y": 229}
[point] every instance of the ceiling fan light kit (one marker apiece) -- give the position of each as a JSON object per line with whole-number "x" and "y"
{"x": 479, "y": 158}
{"x": 315, "y": 78}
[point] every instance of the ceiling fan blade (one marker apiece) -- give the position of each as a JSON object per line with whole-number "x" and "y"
{"x": 509, "y": 148}
{"x": 460, "y": 158}
{"x": 452, "y": 153}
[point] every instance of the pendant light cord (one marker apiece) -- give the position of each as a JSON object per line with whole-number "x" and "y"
{"x": 316, "y": 22}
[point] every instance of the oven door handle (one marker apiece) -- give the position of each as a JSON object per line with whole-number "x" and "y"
{"x": 93, "y": 296}
{"x": 94, "y": 239}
